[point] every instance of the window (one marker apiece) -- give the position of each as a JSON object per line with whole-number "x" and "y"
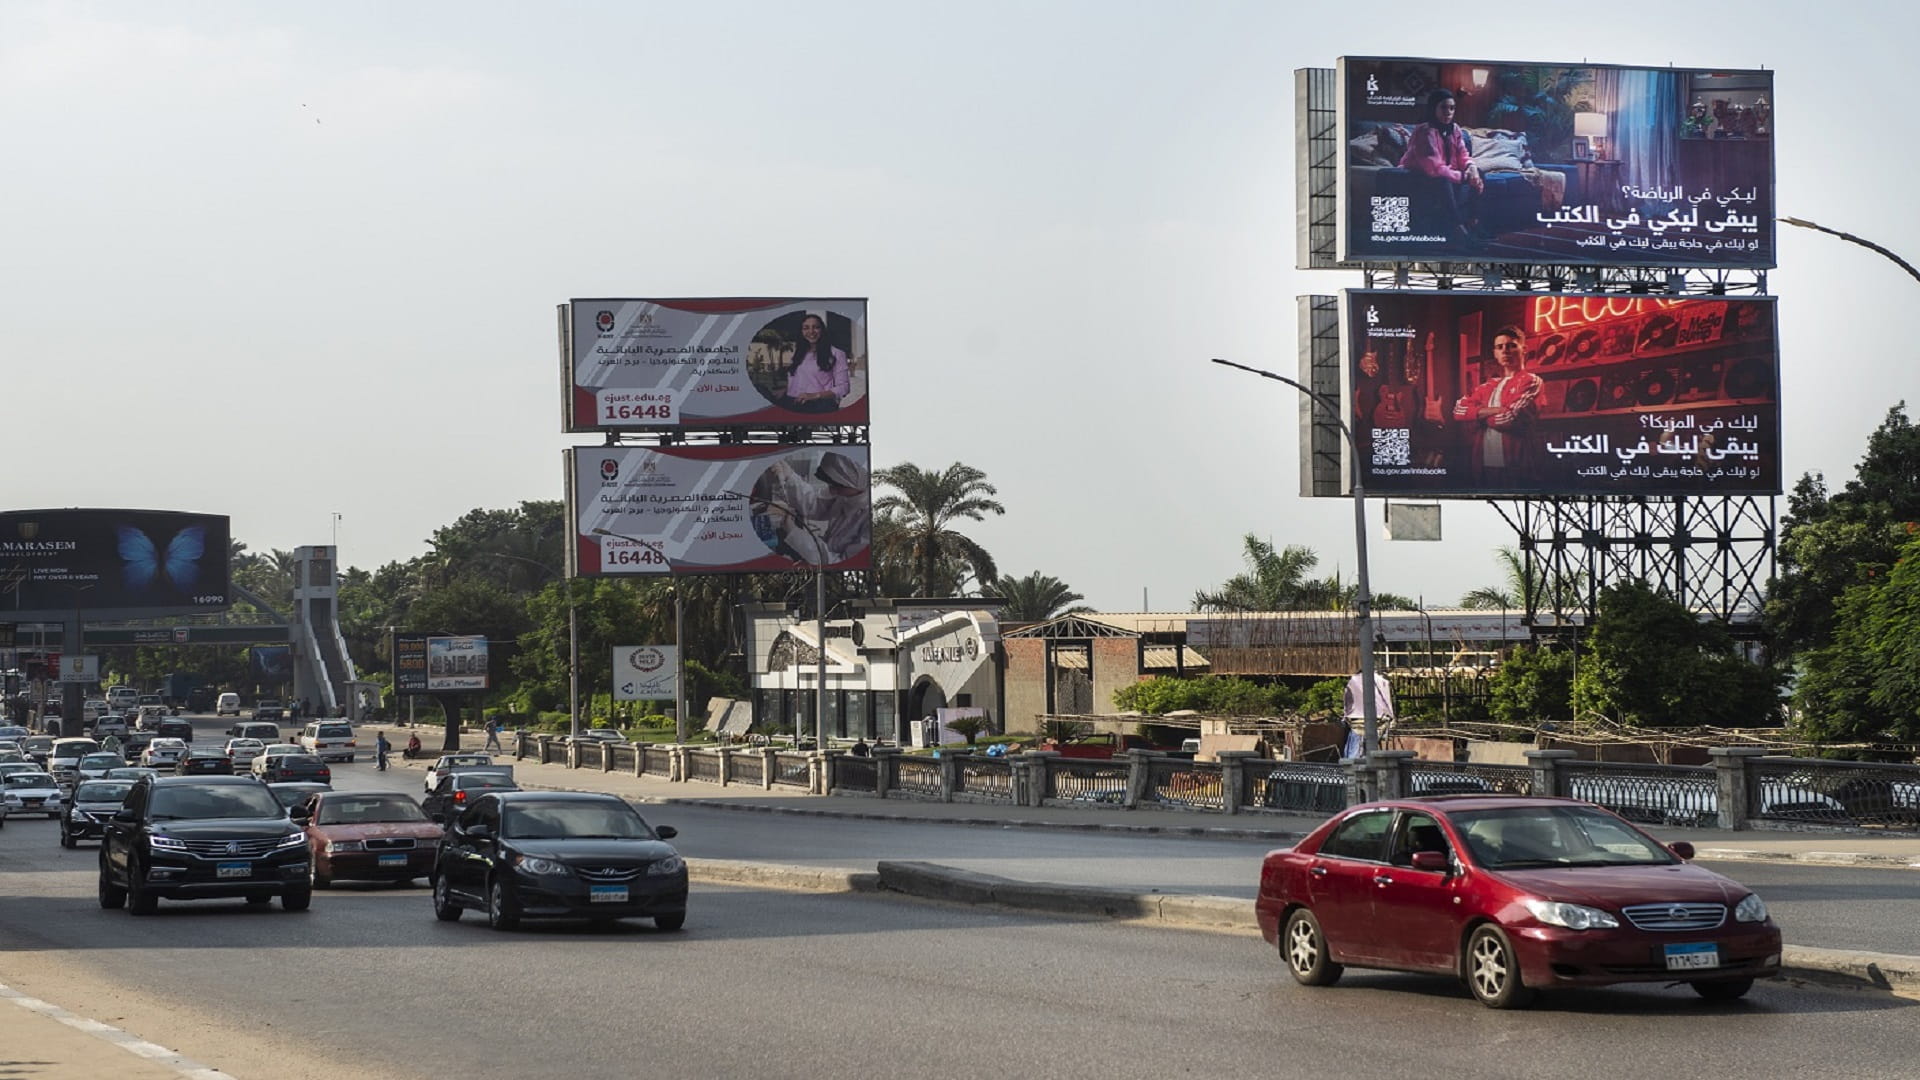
{"x": 1362, "y": 836}
{"x": 1417, "y": 832}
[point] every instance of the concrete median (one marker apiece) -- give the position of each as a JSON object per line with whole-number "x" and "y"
{"x": 779, "y": 876}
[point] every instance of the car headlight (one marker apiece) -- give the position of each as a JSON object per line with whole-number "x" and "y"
{"x": 542, "y": 867}
{"x": 12, "y": 799}
{"x": 672, "y": 864}
{"x": 1752, "y": 909}
{"x": 346, "y": 845}
{"x": 1571, "y": 916}
{"x": 165, "y": 843}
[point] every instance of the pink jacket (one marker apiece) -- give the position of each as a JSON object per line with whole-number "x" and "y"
{"x": 1431, "y": 154}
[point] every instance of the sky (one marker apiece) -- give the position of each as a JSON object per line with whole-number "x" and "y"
{"x": 290, "y": 261}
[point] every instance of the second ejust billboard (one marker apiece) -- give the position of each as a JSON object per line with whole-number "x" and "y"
{"x": 1577, "y": 164}
{"x": 710, "y": 362}
{"x": 1511, "y": 394}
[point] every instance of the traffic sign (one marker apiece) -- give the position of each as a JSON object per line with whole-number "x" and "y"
{"x": 645, "y": 672}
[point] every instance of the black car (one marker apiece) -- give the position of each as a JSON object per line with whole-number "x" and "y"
{"x": 199, "y": 837}
{"x": 454, "y": 791}
{"x": 281, "y": 768}
{"x": 558, "y": 855}
{"x": 204, "y": 761}
{"x": 93, "y": 802}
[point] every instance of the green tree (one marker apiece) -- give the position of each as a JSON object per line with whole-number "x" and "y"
{"x": 1519, "y": 581}
{"x": 1649, "y": 661}
{"x": 926, "y": 505}
{"x": 1215, "y": 695}
{"x": 1274, "y": 581}
{"x": 1532, "y": 687}
{"x": 1037, "y": 597}
{"x": 1865, "y": 686}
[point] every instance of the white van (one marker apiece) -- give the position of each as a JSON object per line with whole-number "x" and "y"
{"x": 329, "y": 740}
{"x": 122, "y": 698}
{"x": 227, "y": 705}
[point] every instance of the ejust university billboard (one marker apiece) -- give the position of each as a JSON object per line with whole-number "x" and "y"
{"x": 652, "y": 363}
{"x": 1580, "y": 164}
{"x": 718, "y": 509}
{"x": 1503, "y": 393}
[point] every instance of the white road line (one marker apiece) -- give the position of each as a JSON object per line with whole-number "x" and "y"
{"x": 125, "y": 1040}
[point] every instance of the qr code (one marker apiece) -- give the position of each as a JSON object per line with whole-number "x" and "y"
{"x": 1392, "y": 446}
{"x": 1392, "y": 213}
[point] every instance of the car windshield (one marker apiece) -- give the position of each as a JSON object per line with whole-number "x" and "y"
{"x": 100, "y": 761}
{"x": 465, "y": 759}
{"x": 29, "y": 779}
{"x": 246, "y": 800}
{"x": 1535, "y": 837}
{"x": 76, "y": 747}
{"x": 334, "y": 731}
{"x": 368, "y": 809}
{"x": 295, "y": 794}
{"x": 573, "y": 821}
{"x": 99, "y": 791}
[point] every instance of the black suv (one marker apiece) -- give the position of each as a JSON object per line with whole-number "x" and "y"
{"x": 198, "y": 837}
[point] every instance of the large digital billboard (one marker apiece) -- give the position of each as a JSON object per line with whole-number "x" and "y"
{"x": 718, "y": 509}
{"x": 1504, "y": 393}
{"x": 106, "y": 560}
{"x": 439, "y": 663}
{"x": 713, "y": 362}
{"x": 1583, "y": 164}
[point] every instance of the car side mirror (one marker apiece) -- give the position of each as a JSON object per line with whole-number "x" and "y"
{"x": 1433, "y": 862}
{"x": 1681, "y": 848}
{"x": 665, "y": 832}
{"x": 300, "y": 814}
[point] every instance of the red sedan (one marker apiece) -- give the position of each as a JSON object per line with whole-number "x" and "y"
{"x": 368, "y": 836}
{"x": 1511, "y": 895}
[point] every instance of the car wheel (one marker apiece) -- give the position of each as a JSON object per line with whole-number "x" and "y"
{"x": 1493, "y": 971}
{"x": 671, "y": 922}
{"x": 444, "y": 908}
{"x": 296, "y": 899}
{"x": 1723, "y": 989}
{"x": 139, "y": 900}
{"x": 1303, "y": 945}
{"x": 501, "y": 913}
{"x": 112, "y": 897}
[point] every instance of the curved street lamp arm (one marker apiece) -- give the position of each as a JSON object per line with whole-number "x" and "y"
{"x": 1852, "y": 239}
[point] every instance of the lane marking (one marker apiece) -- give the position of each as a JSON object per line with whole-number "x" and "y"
{"x": 123, "y": 1039}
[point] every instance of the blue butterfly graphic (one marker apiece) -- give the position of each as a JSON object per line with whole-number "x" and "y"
{"x": 144, "y": 560}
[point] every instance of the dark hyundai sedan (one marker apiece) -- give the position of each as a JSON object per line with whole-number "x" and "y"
{"x": 284, "y": 767}
{"x": 1510, "y": 895}
{"x": 204, "y": 761}
{"x": 549, "y": 854}
{"x": 93, "y": 802}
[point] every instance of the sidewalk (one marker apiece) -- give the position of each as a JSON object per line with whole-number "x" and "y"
{"x": 46, "y": 1042}
{"x": 1824, "y": 847}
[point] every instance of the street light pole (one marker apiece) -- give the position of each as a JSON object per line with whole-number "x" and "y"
{"x": 682, "y": 730}
{"x": 1363, "y": 604}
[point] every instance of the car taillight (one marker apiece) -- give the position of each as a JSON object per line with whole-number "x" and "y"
{"x": 459, "y": 797}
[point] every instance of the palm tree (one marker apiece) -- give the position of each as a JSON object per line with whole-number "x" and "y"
{"x": 923, "y": 505}
{"x": 1275, "y": 581}
{"x": 1521, "y": 582}
{"x": 1037, "y": 597}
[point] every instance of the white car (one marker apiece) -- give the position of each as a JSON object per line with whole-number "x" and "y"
{"x": 95, "y": 766}
{"x": 32, "y": 793}
{"x": 448, "y": 762}
{"x": 163, "y": 752}
{"x": 243, "y": 751}
{"x": 271, "y": 751}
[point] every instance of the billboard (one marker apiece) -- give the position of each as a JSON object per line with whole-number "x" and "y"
{"x": 106, "y": 560}
{"x": 646, "y": 672}
{"x": 1578, "y": 164}
{"x": 271, "y": 663}
{"x": 436, "y": 663}
{"x": 1505, "y": 393}
{"x": 713, "y": 362}
{"x": 718, "y": 509}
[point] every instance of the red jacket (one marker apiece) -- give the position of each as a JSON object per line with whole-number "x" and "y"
{"x": 1431, "y": 154}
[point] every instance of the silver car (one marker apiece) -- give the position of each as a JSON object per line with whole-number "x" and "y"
{"x": 32, "y": 793}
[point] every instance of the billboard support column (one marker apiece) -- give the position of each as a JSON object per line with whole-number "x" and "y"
{"x": 1363, "y": 603}
{"x": 682, "y": 730}
{"x": 820, "y": 656}
{"x": 573, "y": 664}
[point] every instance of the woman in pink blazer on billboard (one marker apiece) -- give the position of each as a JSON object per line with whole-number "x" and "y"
{"x": 1449, "y": 184}
{"x": 817, "y": 376}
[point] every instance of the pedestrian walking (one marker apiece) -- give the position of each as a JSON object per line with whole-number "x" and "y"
{"x": 493, "y": 733}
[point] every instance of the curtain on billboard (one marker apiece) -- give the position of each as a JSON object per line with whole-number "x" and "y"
{"x": 1645, "y": 124}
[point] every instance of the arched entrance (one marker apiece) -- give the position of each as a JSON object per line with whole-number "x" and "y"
{"x": 923, "y": 701}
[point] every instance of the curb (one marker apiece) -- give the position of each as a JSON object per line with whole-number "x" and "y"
{"x": 780, "y": 876}
{"x": 1816, "y": 858}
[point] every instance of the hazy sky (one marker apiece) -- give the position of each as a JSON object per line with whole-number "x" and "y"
{"x": 282, "y": 261}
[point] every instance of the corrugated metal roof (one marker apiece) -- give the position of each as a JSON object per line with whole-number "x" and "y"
{"x": 1161, "y": 656}
{"x": 1070, "y": 658}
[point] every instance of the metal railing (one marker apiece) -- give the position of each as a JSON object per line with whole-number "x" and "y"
{"x": 1295, "y": 786}
{"x": 917, "y": 776}
{"x": 1187, "y": 785}
{"x": 1464, "y": 777}
{"x": 987, "y": 778}
{"x": 854, "y": 773}
{"x": 1083, "y": 780}
{"x": 1649, "y": 794}
{"x": 791, "y": 770}
{"x": 1834, "y": 792}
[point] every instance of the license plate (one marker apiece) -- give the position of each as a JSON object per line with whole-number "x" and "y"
{"x": 1684, "y": 957}
{"x": 31, "y": 802}
{"x": 234, "y": 869}
{"x": 607, "y": 894}
{"x": 393, "y": 860}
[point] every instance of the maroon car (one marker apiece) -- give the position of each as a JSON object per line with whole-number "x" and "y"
{"x": 368, "y": 836}
{"x": 1511, "y": 895}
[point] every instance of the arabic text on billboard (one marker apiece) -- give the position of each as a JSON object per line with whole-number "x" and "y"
{"x": 672, "y": 363}
{"x": 719, "y": 509}
{"x": 646, "y": 672}
{"x": 456, "y": 663}
{"x": 1544, "y": 163}
{"x": 410, "y": 664}
{"x": 97, "y": 560}
{"x": 1462, "y": 393}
